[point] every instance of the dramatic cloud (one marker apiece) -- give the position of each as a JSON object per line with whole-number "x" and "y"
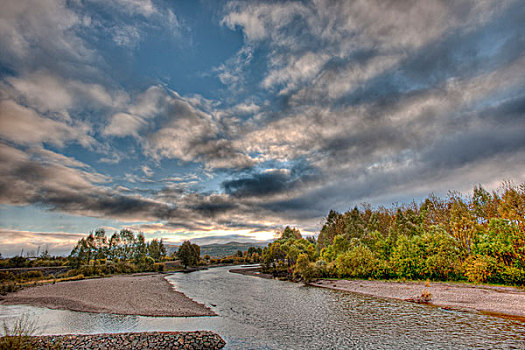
{"x": 235, "y": 119}
{"x": 24, "y": 126}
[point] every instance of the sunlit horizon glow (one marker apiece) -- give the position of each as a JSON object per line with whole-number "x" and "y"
{"x": 220, "y": 121}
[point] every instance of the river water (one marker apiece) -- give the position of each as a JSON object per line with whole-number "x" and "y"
{"x": 256, "y": 313}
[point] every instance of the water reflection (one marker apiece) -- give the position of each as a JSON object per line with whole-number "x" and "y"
{"x": 265, "y": 314}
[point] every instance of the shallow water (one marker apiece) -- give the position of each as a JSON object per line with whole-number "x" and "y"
{"x": 256, "y": 313}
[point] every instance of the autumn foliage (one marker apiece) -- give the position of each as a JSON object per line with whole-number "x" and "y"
{"x": 479, "y": 238}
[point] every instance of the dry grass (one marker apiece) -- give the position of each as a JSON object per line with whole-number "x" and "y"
{"x": 18, "y": 336}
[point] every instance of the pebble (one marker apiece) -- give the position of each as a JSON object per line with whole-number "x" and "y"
{"x": 147, "y": 340}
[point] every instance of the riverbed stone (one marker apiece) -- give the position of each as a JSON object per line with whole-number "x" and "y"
{"x": 147, "y": 340}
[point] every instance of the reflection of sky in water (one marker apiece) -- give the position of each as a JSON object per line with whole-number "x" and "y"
{"x": 268, "y": 314}
{"x": 63, "y": 321}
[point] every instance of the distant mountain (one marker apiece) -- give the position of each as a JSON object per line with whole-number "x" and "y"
{"x": 221, "y": 249}
{"x": 230, "y": 248}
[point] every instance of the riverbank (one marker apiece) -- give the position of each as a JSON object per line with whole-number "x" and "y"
{"x": 146, "y": 340}
{"x": 140, "y": 294}
{"x": 252, "y": 271}
{"x": 493, "y": 300}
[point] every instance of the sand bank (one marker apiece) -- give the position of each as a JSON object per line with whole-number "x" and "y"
{"x": 501, "y": 301}
{"x": 144, "y": 294}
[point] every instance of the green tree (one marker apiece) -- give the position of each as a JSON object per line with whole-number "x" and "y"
{"x": 304, "y": 268}
{"x": 357, "y": 262}
{"x": 127, "y": 241}
{"x": 100, "y": 243}
{"x": 157, "y": 250}
{"x": 289, "y": 232}
{"x": 140, "y": 248}
{"x": 188, "y": 254}
{"x": 340, "y": 245}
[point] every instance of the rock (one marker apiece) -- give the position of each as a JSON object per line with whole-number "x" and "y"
{"x": 148, "y": 340}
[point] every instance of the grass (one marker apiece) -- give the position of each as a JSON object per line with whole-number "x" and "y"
{"x": 18, "y": 336}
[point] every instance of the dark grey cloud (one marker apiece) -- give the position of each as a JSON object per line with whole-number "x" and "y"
{"x": 262, "y": 184}
{"x": 271, "y": 181}
{"x": 212, "y": 206}
{"x": 327, "y": 104}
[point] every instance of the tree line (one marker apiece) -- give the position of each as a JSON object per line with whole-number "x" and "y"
{"x": 479, "y": 238}
{"x": 121, "y": 246}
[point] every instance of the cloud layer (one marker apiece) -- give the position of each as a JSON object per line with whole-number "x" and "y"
{"x": 318, "y": 105}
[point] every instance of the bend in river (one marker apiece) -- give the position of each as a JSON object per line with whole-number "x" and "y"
{"x": 256, "y": 313}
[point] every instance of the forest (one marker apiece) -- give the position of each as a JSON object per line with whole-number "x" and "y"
{"x": 478, "y": 238}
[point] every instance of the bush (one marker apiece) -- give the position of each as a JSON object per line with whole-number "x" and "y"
{"x": 383, "y": 269}
{"x": 407, "y": 257}
{"x": 35, "y": 274}
{"x": 321, "y": 269}
{"x": 303, "y": 268}
{"x": 513, "y": 275}
{"x": 7, "y": 276}
{"x": 357, "y": 262}
{"x": 481, "y": 268}
{"x": 9, "y": 287}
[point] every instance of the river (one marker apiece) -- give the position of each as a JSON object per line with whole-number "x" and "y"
{"x": 256, "y": 313}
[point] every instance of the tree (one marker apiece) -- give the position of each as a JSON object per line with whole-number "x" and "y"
{"x": 334, "y": 225}
{"x": 289, "y": 232}
{"x": 127, "y": 239}
{"x": 80, "y": 253}
{"x": 114, "y": 243}
{"x": 100, "y": 244}
{"x": 156, "y": 249}
{"x": 188, "y": 254}
{"x": 44, "y": 255}
{"x": 304, "y": 268}
{"x": 141, "y": 250}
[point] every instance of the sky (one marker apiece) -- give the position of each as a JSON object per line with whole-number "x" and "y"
{"x": 222, "y": 121}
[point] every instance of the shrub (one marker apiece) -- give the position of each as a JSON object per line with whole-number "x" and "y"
{"x": 320, "y": 269}
{"x": 9, "y": 287}
{"x": 407, "y": 257}
{"x": 513, "y": 275}
{"x": 480, "y": 268}
{"x": 6, "y": 276}
{"x": 383, "y": 270}
{"x": 357, "y": 262}
{"x": 304, "y": 268}
{"x": 35, "y": 274}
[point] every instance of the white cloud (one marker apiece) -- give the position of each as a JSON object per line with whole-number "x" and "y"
{"x": 147, "y": 171}
{"x": 47, "y": 22}
{"x": 304, "y": 37}
{"x": 48, "y": 92}
{"x": 126, "y": 35}
{"x": 24, "y": 126}
{"x": 123, "y": 124}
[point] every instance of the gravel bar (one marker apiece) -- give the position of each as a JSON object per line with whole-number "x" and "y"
{"x": 493, "y": 300}
{"x": 144, "y": 295}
